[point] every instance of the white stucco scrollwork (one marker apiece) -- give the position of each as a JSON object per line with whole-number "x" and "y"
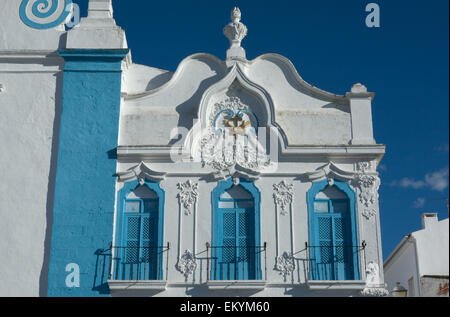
{"x": 368, "y": 195}
{"x": 373, "y": 286}
{"x": 187, "y": 263}
{"x": 285, "y": 264}
{"x": 224, "y": 148}
{"x": 368, "y": 185}
{"x": 188, "y": 195}
{"x": 283, "y": 195}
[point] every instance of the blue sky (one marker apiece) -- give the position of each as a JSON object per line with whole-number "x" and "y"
{"x": 405, "y": 61}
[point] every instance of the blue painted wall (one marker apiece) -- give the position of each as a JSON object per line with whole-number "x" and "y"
{"x": 85, "y": 183}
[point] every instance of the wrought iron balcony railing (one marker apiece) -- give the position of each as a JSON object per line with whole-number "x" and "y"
{"x": 335, "y": 262}
{"x": 139, "y": 263}
{"x": 236, "y": 262}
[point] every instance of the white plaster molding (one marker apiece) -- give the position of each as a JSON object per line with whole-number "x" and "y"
{"x": 368, "y": 183}
{"x": 223, "y": 152}
{"x": 330, "y": 171}
{"x": 335, "y": 285}
{"x": 375, "y": 292}
{"x": 293, "y": 75}
{"x": 116, "y": 285}
{"x": 373, "y": 286}
{"x": 372, "y": 274}
{"x": 291, "y": 153}
{"x": 180, "y": 73}
{"x": 285, "y": 263}
{"x": 236, "y": 285}
{"x": 187, "y": 263}
{"x": 282, "y": 62}
{"x": 188, "y": 195}
{"x": 283, "y": 195}
{"x": 141, "y": 172}
{"x": 2, "y": 88}
{"x": 235, "y": 76}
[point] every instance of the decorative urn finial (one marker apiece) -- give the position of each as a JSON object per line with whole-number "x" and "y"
{"x": 236, "y": 15}
{"x": 235, "y": 31}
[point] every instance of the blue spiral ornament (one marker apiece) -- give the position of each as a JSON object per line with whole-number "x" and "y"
{"x": 44, "y": 14}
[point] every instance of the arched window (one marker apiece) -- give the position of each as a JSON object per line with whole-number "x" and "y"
{"x": 334, "y": 250}
{"x": 236, "y": 238}
{"x": 138, "y": 244}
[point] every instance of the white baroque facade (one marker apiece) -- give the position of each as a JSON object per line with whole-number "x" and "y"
{"x": 232, "y": 177}
{"x": 235, "y": 122}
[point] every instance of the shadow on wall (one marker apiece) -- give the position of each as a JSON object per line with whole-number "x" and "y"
{"x": 102, "y": 271}
{"x": 43, "y": 279}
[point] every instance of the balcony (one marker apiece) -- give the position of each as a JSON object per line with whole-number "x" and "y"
{"x": 335, "y": 266}
{"x": 139, "y": 268}
{"x": 236, "y": 267}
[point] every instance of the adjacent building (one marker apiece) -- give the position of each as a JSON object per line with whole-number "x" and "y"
{"x": 420, "y": 261}
{"x": 227, "y": 177}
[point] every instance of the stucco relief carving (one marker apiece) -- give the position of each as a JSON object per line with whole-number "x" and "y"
{"x": 188, "y": 195}
{"x": 373, "y": 286}
{"x": 187, "y": 263}
{"x": 285, "y": 263}
{"x": 368, "y": 185}
{"x": 224, "y": 147}
{"x": 283, "y": 196}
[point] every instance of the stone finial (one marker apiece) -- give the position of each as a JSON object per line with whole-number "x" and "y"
{"x": 359, "y": 88}
{"x": 235, "y": 31}
{"x": 236, "y": 15}
{"x": 359, "y": 91}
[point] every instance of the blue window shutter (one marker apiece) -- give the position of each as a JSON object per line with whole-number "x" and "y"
{"x": 343, "y": 247}
{"x": 227, "y": 255}
{"x": 245, "y": 230}
{"x": 323, "y": 251}
{"x": 336, "y": 227}
{"x": 133, "y": 224}
{"x": 139, "y": 251}
{"x": 236, "y": 235}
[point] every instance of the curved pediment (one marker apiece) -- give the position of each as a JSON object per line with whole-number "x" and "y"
{"x": 294, "y": 79}
{"x": 301, "y": 113}
{"x": 216, "y": 65}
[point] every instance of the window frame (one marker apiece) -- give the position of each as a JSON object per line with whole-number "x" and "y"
{"x": 344, "y": 187}
{"x": 121, "y": 215}
{"x": 216, "y": 194}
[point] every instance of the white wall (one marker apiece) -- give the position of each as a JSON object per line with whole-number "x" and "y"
{"x": 402, "y": 267}
{"x": 28, "y": 105}
{"x": 425, "y": 253}
{"x": 432, "y": 247}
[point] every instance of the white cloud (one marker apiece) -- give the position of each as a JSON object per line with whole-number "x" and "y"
{"x": 436, "y": 181}
{"x": 407, "y": 182}
{"x": 419, "y": 203}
